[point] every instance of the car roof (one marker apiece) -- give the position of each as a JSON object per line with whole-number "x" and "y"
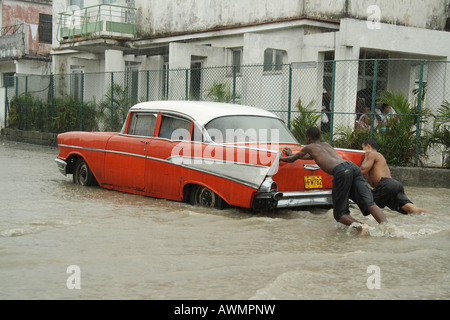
{"x": 201, "y": 111}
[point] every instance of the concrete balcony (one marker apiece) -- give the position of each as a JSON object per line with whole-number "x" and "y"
{"x": 97, "y": 22}
{"x": 12, "y": 42}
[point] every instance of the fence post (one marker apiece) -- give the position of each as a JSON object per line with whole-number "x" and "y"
{"x": 16, "y": 81}
{"x": 148, "y": 85}
{"x": 26, "y": 105}
{"x": 419, "y": 110}
{"x": 374, "y": 92}
{"x": 234, "y": 84}
{"x": 82, "y": 102}
{"x": 333, "y": 80}
{"x": 186, "y": 89}
{"x": 289, "y": 97}
{"x": 51, "y": 102}
{"x": 112, "y": 101}
{"x": 52, "y": 87}
{"x": 6, "y": 105}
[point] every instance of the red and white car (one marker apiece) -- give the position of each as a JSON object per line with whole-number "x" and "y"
{"x": 206, "y": 153}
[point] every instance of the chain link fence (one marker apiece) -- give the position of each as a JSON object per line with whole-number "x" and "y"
{"x": 402, "y": 103}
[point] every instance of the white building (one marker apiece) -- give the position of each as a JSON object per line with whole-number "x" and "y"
{"x": 25, "y": 43}
{"x": 133, "y": 35}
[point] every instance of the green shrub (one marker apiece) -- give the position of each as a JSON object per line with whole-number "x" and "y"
{"x": 62, "y": 114}
{"x": 305, "y": 119}
{"x": 221, "y": 92}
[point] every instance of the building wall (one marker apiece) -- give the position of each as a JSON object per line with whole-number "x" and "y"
{"x": 206, "y": 30}
{"x": 161, "y": 17}
{"x": 17, "y": 12}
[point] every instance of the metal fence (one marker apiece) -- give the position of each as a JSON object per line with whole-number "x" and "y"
{"x": 333, "y": 95}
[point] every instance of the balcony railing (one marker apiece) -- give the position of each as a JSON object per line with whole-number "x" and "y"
{"x": 8, "y": 30}
{"x": 96, "y": 22}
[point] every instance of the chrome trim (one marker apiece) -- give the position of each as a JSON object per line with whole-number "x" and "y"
{"x": 247, "y": 174}
{"x": 210, "y": 161}
{"x": 170, "y": 161}
{"x": 311, "y": 167}
{"x": 61, "y": 166}
{"x": 305, "y": 198}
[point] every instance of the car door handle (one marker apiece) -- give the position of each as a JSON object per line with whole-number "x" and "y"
{"x": 311, "y": 167}
{"x": 143, "y": 141}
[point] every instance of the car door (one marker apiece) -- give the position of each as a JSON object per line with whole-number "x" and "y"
{"x": 166, "y": 175}
{"x": 125, "y": 158}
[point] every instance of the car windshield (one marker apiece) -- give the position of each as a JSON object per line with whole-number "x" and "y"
{"x": 244, "y": 129}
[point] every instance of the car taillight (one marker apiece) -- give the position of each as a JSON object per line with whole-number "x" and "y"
{"x": 274, "y": 186}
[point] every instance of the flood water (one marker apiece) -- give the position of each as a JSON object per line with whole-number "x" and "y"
{"x": 134, "y": 247}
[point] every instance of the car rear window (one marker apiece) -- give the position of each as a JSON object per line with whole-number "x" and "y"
{"x": 243, "y": 128}
{"x": 142, "y": 124}
{"x": 175, "y": 128}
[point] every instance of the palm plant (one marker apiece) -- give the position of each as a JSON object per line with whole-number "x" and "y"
{"x": 347, "y": 137}
{"x": 221, "y": 92}
{"x": 114, "y": 109}
{"x": 306, "y": 118}
{"x": 440, "y": 134}
{"x": 398, "y": 143}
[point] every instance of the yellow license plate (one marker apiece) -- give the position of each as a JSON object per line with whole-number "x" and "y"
{"x": 313, "y": 182}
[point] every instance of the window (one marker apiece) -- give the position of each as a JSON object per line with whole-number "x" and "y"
{"x": 236, "y": 58}
{"x": 165, "y": 79}
{"x": 76, "y": 4}
{"x": 130, "y": 14}
{"x": 240, "y": 129}
{"x": 175, "y": 128}
{"x": 77, "y": 82}
{"x": 273, "y": 59}
{"x": 142, "y": 124}
{"x": 45, "y": 28}
{"x": 8, "y": 80}
{"x": 366, "y": 72}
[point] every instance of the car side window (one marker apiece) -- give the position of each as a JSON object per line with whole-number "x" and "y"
{"x": 175, "y": 128}
{"x": 142, "y": 124}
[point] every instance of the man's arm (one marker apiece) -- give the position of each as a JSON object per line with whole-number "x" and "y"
{"x": 302, "y": 154}
{"x": 368, "y": 163}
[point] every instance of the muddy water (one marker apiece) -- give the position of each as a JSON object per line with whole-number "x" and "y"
{"x": 132, "y": 247}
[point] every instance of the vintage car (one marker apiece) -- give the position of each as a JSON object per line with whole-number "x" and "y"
{"x": 206, "y": 153}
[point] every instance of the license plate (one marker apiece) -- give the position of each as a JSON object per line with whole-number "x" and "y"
{"x": 313, "y": 182}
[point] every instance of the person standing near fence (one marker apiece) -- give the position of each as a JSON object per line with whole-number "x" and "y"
{"x": 386, "y": 190}
{"x": 348, "y": 180}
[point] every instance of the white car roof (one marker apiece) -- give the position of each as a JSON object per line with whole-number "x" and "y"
{"x": 201, "y": 111}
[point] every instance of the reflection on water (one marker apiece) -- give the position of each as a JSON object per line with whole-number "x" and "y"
{"x": 135, "y": 247}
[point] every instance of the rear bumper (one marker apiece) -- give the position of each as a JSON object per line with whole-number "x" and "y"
{"x": 275, "y": 199}
{"x": 305, "y": 198}
{"x": 61, "y": 165}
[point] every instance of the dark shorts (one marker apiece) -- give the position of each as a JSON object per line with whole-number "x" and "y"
{"x": 390, "y": 192}
{"x": 349, "y": 183}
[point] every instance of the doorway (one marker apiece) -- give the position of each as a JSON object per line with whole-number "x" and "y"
{"x": 196, "y": 80}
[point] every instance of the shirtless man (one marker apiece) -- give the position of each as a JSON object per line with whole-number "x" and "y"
{"x": 348, "y": 180}
{"x": 387, "y": 191}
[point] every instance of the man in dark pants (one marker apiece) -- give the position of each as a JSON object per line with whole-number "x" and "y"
{"x": 386, "y": 190}
{"x": 348, "y": 180}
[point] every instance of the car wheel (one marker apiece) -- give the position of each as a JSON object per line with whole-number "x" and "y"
{"x": 205, "y": 197}
{"x": 82, "y": 174}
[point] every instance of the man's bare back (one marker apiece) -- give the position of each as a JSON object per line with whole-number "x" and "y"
{"x": 324, "y": 155}
{"x": 348, "y": 182}
{"x": 374, "y": 167}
